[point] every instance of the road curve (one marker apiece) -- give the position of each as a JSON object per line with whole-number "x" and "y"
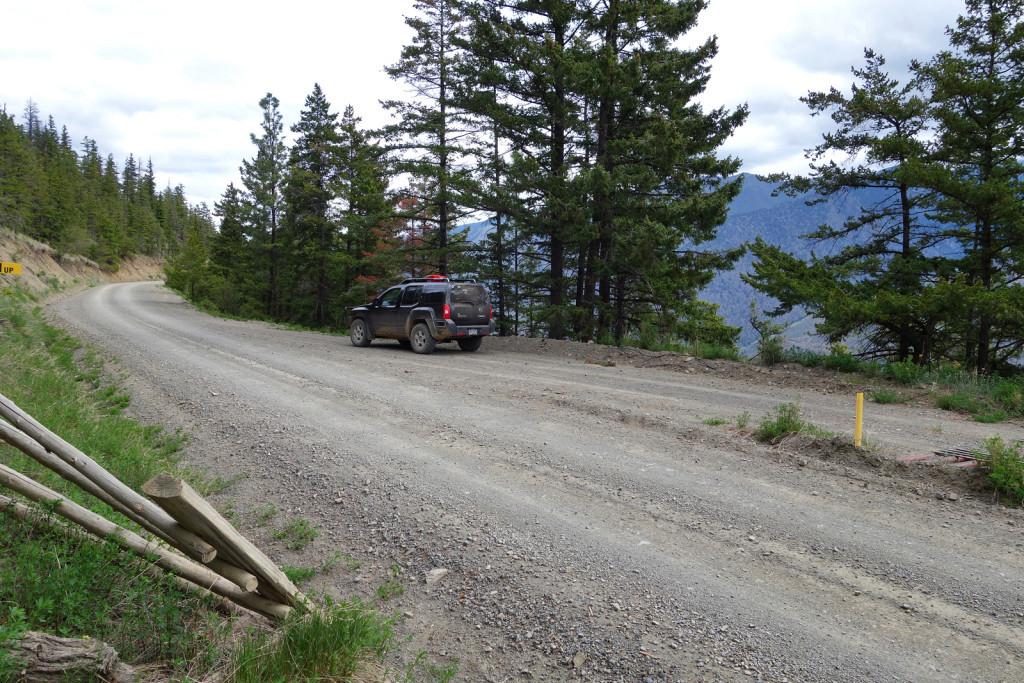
{"x": 595, "y": 523}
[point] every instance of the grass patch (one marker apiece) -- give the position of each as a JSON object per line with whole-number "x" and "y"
{"x": 326, "y": 645}
{"x": 265, "y": 513}
{"x": 888, "y": 396}
{"x": 393, "y": 587}
{"x": 297, "y": 534}
{"x": 75, "y": 587}
{"x": 785, "y": 420}
{"x": 1005, "y": 468}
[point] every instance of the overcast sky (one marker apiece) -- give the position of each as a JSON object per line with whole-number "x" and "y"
{"x": 180, "y": 82}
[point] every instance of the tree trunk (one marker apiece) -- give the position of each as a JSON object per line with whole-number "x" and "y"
{"x": 45, "y": 657}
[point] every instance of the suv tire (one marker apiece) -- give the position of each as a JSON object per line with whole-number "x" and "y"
{"x": 358, "y": 333}
{"x": 471, "y": 344}
{"x": 420, "y": 339}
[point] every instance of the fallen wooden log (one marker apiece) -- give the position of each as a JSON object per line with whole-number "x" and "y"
{"x": 192, "y": 511}
{"x": 99, "y": 526}
{"x": 44, "y": 657}
{"x": 52, "y": 452}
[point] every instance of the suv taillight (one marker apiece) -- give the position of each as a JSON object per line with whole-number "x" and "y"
{"x": 490, "y": 312}
{"x": 447, "y": 314}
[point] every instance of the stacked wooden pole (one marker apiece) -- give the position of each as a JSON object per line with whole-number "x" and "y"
{"x": 223, "y": 561}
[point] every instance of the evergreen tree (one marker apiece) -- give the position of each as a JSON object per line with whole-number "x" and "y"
{"x": 978, "y": 101}
{"x": 20, "y": 178}
{"x": 311, "y": 228}
{"x": 431, "y": 136}
{"x": 263, "y": 178}
{"x": 659, "y": 189}
{"x": 880, "y": 284}
{"x": 364, "y": 206}
{"x": 524, "y": 74}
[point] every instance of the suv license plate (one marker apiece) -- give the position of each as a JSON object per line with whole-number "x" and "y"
{"x": 471, "y": 333}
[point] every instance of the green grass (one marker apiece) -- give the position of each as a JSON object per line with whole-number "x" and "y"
{"x": 297, "y": 534}
{"x": 987, "y": 399}
{"x": 393, "y": 587}
{"x": 326, "y": 645}
{"x": 75, "y": 586}
{"x": 785, "y": 420}
{"x": 888, "y": 396}
{"x": 1005, "y": 467}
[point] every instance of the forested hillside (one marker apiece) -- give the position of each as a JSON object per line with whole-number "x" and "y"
{"x": 572, "y": 139}
{"x": 67, "y": 195}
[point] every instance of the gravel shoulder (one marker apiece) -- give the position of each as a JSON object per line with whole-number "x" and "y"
{"x": 562, "y": 511}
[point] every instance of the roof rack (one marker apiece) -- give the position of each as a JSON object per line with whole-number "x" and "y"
{"x": 434, "y": 278}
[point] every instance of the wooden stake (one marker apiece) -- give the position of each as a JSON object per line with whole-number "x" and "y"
{"x": 53, "y": 452}
{"x": 195, "y": 514}
{"x": 103, "y": 528}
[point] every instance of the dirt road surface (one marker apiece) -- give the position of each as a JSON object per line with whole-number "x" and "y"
{"x": 593, "y": 519}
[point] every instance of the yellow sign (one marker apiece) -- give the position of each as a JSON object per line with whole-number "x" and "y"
{"x": 10, "y": 268}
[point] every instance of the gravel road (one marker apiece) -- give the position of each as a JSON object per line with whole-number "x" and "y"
{"x": 591, "y": 517}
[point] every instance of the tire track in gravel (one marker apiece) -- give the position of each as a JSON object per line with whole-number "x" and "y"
{"x": 590, "y": 511}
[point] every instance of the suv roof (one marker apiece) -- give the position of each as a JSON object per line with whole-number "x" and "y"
{"x": 433, "y": 278}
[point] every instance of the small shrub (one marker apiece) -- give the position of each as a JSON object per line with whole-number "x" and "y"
{"x": 904, "y": 372}
{"x": 743, "y": 419}
{"x": 991, "y": 417}
{"x": 265, "y": 514}
{"x": 782, "y": 421}
{"x": 1005, "y": 467}
{"x": 887, "y": 396}
{"x": 771, "y": 337}
{"x": 392, "y": 587}
{"x": 715, "y": 421}
{"x": 961, "y": 402}
{"x": 842, "y": 362}
{"x": 805, "y": 357}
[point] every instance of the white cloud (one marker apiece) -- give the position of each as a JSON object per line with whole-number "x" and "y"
{"x": 180, "y": 83}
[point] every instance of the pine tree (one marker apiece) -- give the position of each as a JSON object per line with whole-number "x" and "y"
{"x": 659, "y": 189}
{"x": 880, "y": 285}
{"x": 430, "y": 136}
{"x": 264, "y": 178}
{"x": 368, "y": 250}
{"x": 20, "y": 178}
{"x": 978, "y": 100}
{"x": 524, "y": 74}
{"x": 311, "y": 229}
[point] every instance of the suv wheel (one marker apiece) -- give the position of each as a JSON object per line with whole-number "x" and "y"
{"x": 358, "y": 333}
{"x": 470, "y": 344}
{"x": 420, "y": 339}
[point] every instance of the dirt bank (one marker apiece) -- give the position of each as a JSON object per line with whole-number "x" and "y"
{"x": 40, "y": 264}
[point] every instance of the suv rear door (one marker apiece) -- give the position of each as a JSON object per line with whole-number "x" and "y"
{"x": 470, "y": 304}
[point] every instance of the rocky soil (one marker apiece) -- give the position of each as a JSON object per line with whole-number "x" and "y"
{"x": 546, "y": 510}
{"x": 552, "y": 511}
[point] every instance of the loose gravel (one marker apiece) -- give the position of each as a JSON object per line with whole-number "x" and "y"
{"x": 553, "y": 511}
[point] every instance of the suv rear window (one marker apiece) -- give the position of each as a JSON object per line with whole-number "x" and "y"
{"x": 473, "y": 293}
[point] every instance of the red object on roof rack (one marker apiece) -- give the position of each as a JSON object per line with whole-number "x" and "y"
{"x": 436, "y": 277}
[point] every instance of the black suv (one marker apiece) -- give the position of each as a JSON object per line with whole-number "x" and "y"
{"x": 420, "y": 312}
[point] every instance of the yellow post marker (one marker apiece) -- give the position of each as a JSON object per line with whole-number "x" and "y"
{"x": 10, "y": 268}
{"x": 859, "y": 429}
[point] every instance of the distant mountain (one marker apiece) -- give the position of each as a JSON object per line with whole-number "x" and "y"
{"x": 778, "y": 220}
